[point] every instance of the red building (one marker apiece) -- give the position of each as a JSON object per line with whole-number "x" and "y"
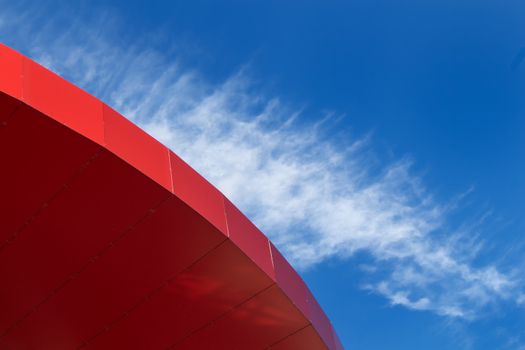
{"x": 108, "y": 240}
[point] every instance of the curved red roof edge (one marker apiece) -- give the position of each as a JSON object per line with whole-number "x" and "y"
{"x": 37, "y": 87}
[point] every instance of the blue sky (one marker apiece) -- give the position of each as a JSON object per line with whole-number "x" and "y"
{"x": 378, "y": 143}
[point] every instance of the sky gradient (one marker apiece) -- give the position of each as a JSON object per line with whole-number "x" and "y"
{"x": 379, "y": 144}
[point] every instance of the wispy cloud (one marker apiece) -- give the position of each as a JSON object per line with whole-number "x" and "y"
{"x": 315, "y": 195}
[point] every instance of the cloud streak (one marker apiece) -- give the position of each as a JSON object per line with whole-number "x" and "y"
{"x": 316, "y": 196}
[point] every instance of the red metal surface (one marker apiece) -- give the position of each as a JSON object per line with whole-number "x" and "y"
{"x": 108, "y": 240}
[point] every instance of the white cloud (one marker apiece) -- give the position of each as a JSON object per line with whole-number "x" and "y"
{"x": 317, "y": 198}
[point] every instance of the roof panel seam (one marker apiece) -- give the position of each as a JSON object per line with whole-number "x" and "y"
{"x": 170, "y": 171}
{"x": 224, "y": 314}
{"x": 109, "y": 326}
{"x": 77, "y": 273}
{"x": 288, "y": 336}
{"x": 57, "y": 193}
{"x": 223, "y": 198}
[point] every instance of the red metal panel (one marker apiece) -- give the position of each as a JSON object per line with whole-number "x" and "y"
{"x": 11, "y": 68}
{"x": 38, "y": 157}
{"x": 161, "y": 246}
{"x": 136, "y": 147}
{"x": 198, "y": 193}
{"x": 290, "y": 281}
{"x": 221, "y": 280}
{"x": 75, "y": 227}
{"x": 305, "y": 339}
{"x": 248, "y": 237}
{"x": 296, "y": 289}
{"x": 66, "y": 103}
{"x": 337, "y": 341}
{"x": 320, "y": 321}
{"x": 256, "y": 324}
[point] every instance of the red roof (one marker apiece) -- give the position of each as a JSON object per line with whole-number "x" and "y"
{"x": 108, "y": 240}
